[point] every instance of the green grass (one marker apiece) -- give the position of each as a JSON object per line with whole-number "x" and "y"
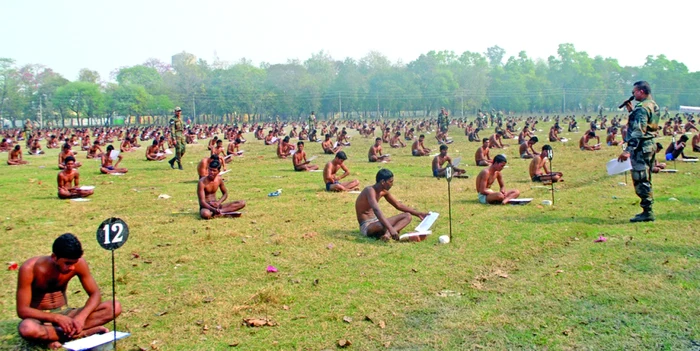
{"x": 520, "y": 277}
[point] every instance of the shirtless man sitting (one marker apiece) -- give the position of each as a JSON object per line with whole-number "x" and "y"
{"x": 5, "y": 145}
{"x": 372, "y": 221}
{"x": 526, "y": 150}
{"x": 441, "y": 159}
{"x": 65, "y": 152}
{"x": 327, "y": 146}
{"x": 495, "y": 141}
{"x": 42, "y": 303}
{"x": 658, "y": 166}
{"x": 93, "y": 150}
{"x": 107, "y": 167}
{"x": 207, "y": 188}
{"x": 331, "y": 178}
{"x": 152, "y": 152}
{"x": 69, "y": 182}
{"x": 284, "y": 148}
{"x": 418, "y": 149}
{"x": 610, "y": 140}
{"x": 299, "y": 159}
{"x": 14, "y": 158}
{"x": 218, "y": 150}
{"x": 696, "y": 143}
{"x": 481, "y": 156}
{"x": 35, "y": 148}
{"x": 486, "y": 178}
{"x": 396, "y": 142}
{"x": 554, "y": 133}
{"x": 583, "y": 142}
{"x": 539, "y": 164}
{"x": 375, "y": 152}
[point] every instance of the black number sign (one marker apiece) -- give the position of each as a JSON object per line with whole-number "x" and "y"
{"x": 112, "y": 233}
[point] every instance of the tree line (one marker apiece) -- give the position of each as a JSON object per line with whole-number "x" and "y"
{"x": 569, "y": 82}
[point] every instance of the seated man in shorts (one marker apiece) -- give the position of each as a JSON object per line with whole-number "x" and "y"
{"x": 65, "y": 152}
{"x": 69, "y": 182}
{"x": 676, "y": 149}
{"x": 14, "y": 158}
{"x": 375, "y": 152}
{"x": 42, "y": 303}
{"x": 418, "y": 149}
{"x": 696, "y": 143}
{"x": 481, "y": 156}
{"x": 107, "y": 167}
{"x": 331, "y": 178}
{"x": 526, "y": 150}
{"x": 658, "y": 166}
{"x": 443, "y": 159}
{"x": 610, "y": 140}
{"x": 207, "y": 187}
{"x": 152, "y": 152}
{"x": 372, "y": 221}
{"x": 95, "y": 151}
{"x": 583, "y": 142}
{"x": 486, "y": 179}
{"x": 538, "y": 168}
{"x": 396, "y": 142}
{"x": 327, "y": 146}
{"x": 299, "y": 159}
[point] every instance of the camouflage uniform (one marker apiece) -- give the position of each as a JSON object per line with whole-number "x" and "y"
{"x": 443, "y": 122}
{"x": 641, "y": 147}
{"x": 177, "y": 130}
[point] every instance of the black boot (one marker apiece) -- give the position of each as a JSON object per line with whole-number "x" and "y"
{"x": 179, "y": 164}
{"x": 645, "y": 216}
{"x": 172, "y": 163}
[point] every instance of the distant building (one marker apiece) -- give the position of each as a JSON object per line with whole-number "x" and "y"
{"x": 183, "y": 59}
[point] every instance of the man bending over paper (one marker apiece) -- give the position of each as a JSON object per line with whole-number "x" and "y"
{"x": 41, "y": 296}
{"x": 486, "y": 178}
{"x": 371, "y": 219}
{"x": 207, "y": 187}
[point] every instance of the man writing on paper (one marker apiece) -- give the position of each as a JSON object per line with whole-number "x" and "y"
{"x": 642, "y": 122}
{"x": 442, "y": 159}
{"x": 41, "y": 296}
{"x": 207, "y": 187}
{"x": 486, "y": 178}
{"x": 372, "y": 221}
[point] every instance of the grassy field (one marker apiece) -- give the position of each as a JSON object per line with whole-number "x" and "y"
{"x": 514, "y": 277}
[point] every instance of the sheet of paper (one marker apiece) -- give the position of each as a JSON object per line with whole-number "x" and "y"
{"x": 354, "y": 192}
{"x": 93, "y": 341}
{"x": 312, "y": 158}
{"x": 427, "y": 222}
{"x": 615, "y": 167}
{"x": 80, "y": 199}
{"x": 524, "y": 200}
{"x": 114, "y": 154}
{"x": 87, "y": 187}
{"x": 224, "y": 172}
{"x": 168, "y": 152}
{"x": 456, "y": 161}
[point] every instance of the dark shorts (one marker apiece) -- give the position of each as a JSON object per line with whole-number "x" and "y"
{"x": 415, "y": 153}
{"x": 328, "y": 185}
{"x": 537, "y": 178}
{"x": 111, "y": 168}
{"x": 435, "y": 173}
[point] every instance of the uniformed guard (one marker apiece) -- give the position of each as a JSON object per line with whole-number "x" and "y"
{"x": 177, "y": 132}
{"x": 642, "y": 124}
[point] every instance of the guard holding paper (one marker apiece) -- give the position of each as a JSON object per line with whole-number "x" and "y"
{"x": 41, "y": 296}
{"x": 642, "y": 124}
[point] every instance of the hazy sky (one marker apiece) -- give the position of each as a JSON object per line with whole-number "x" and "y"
{"x": 69, "y": 35}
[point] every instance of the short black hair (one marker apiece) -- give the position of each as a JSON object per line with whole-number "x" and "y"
{"x": 534, "y": 139}
{"x": 683, "y": 138}
{"x": 644, "y": 86}
{"x": 341, "y": 155}
{"x": 300, "y": 143}
{"x": 68, "y": 159}
{"x": 546, "y": 147}
{"x": 421, "y": 136}
{"x": 500, "y": 159}
{"x": 443, "y": 147}
{"x": 377, "y": 139}
{"x": 484, "y": 140}
{"x": 110, "y": 147}
{"x": 215, "y": 163}
{"x": 67, "y": 246}
{"x": 591, "y": 134}
{"x": 384, "y": 174}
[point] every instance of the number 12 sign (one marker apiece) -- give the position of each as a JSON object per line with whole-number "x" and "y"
{"x": 112, "y": 233}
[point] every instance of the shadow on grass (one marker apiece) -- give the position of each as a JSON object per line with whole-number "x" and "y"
{"x": 195, "y": 181}
{"x": 354, "y": 236}
{"x": 10, "y": 339}
{"x": 554, "y": 220}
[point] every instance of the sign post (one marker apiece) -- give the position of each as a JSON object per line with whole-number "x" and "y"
{"x": 111, "y": 235}
{"x": 448, "y": 176}
{"x": 550, "y": 156}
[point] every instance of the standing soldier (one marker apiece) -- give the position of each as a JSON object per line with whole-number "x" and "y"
{"x": 177, "y": 131}
{"x": 27, "y": 129}
{"x": 643, "y": 121}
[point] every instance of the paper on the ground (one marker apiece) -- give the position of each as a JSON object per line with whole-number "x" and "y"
{"x": 117, "y": 174}
{"x": 228, "y": 156}
{"x": 239, "y": 152}
{"x": 316, "y": 170}
{"x": 426, "y": 223}
{"x": 93, "y": 341}
{"x": 525, "y": 200}
{"x": 690, "y": 160}
{"x": 168, "y": 152}
{"x": 563, "y": 140}
{"x": 87, "y": 187}
{"x": 80, "y": 199}
{"x": 668, "y": 170}
{"x": 456, "y": 161}
{"x": 354, "y": 192}
{"x": 616, "y": 167}
{"x": 114, "y": 154}
{"x": 159, "y": 154}
{"x": 164, "y": 196}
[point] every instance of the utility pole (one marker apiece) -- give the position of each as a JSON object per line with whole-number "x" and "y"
{"x": 194, "y": 111}
{"x": 40, "y": 116}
